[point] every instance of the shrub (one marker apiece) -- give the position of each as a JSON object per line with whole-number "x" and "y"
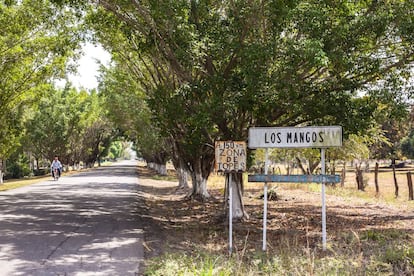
{"x": 17, "y": 167}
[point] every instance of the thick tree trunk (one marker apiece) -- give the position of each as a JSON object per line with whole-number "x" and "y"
{"x": 180, "y": 167}
{"x": 162, "y": 169}
{"x": 238, "y": 210}
{"x": 343, "y": 175}
{"x": 182, "y": 175}
{"x": 199, "y": 190}
{"x": 359, "y": 178}
{"x": 181, "y": 170}
{"x": 199, "y": 176}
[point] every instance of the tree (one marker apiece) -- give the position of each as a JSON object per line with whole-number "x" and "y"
{"x": 36, "y": 42}
{"x": 407, "y": 145}
{"x": 217, "y": 68}
{"x": 71, "y": 124}
{"x": 125, "y": 101}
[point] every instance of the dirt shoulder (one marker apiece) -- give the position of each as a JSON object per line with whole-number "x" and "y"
{"x": 174, "y": 223}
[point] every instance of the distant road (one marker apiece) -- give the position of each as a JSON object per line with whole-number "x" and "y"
{"x": 83, "y": 224}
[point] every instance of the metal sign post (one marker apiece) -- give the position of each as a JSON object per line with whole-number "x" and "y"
{"x": 230, "y": 215}
{"x": 295, "y": 137}
{"x": 323, "y": 202}
{"x": 265, "y": 201}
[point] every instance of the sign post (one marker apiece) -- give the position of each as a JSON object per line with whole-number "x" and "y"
{"x": 323, "y": 201}
{"x": 265, "y": 201}
{"x": 230, "y": 215}
{"x": 230, "y": 156}
{"x": 295, "y": 137}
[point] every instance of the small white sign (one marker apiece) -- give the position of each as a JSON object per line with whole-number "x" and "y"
{"x": 295, "y": 137}
{"x": 230, "y": 156}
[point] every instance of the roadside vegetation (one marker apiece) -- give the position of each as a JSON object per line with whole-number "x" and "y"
{"x": 367, "y": 235}
{"x": 17, "y": 183}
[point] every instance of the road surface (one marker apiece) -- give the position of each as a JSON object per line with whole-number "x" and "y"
{"x": 85, "y": 224}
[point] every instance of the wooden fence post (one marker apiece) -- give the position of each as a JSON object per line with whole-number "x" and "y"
{"x": 376, "y": 179}
{"x": 343, "y": 175}
{"x": 395, "y": 180}
{"x": 410, "y": 186}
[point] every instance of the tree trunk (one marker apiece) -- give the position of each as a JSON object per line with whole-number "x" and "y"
{"x": 180, "y": 167}
{"x": 182, "y": 175}
{"x": 181, "y": 170}
{"x": 199, "y": 190}
{"x": 359, "y": 178}
{"x": 1, "y": 171}
{"x": 162, "y": 169}
{"x": 343, "y": 175}
{"x": 199, "y": 180}
{"x": 238, "y": 210}
{"x": 410, "y": 186}
{"x": 376, "y": 179}
{"x": 313, "y": 166}
{"x": 395, "y": 179}
{"x": 301, "y": 165}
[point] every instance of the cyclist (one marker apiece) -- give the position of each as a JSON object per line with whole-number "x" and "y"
{"x": 56, "y": 165}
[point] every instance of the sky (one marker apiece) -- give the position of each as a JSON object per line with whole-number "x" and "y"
{"x": 88, "y": 67}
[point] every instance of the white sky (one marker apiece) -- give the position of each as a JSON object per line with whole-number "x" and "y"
{"x": 88, "y": 67}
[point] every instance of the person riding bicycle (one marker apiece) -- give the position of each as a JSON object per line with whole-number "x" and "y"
{"x": 56, "y": 165}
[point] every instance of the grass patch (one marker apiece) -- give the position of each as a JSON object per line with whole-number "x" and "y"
{"x": 361, "y": 239}
{"x": 366, "y": 256}
{"x": 171, "y": 178}
{"x": 14, "y": 184}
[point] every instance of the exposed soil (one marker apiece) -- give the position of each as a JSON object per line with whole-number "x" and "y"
{"x": 177, "y": 224}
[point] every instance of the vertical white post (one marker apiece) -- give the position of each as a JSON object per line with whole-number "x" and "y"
{"x": 323, "y": 201}
{"x": 230, "y": 214}
{"x": 265, "y": 201}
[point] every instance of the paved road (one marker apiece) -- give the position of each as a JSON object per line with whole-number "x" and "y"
{"x": 80, "y": 225}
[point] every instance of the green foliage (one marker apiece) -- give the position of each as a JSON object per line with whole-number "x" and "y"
{"x": 17, "y": 166}
{"x": 36, "y": 41}
{"x": 212, "y": 69}
{"x": 115, "y": 150}
{"x": 355, "y": 147}
{"x": 407, "y": 145}
{"x": 71, "y": 124}
{"x": 374, "y": 252}
{"x": 400, "y": 257}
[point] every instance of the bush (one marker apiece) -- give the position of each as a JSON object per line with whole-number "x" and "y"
{"x": 17, "y": 167}
{"x": 40, "y": 172}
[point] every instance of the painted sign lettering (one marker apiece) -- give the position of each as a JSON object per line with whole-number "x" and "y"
{"x": 295, "y": 137}
{"x": 230, "y": 156}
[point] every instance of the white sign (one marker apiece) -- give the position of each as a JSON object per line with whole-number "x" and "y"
{"x": 295, "y": 137}
{"x": 230, "y": 156}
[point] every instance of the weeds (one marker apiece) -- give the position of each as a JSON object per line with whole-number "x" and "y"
{"x": 355, "y": 254}
{"x": 355, "y": 247}
{"x": 165, "y": 177}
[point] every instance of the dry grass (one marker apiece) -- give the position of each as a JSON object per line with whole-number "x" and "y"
{"x": 17, "y": 183}
{"x": 366, "y": 234}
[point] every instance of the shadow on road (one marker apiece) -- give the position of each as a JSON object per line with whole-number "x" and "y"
{"x": 86, "y": 223}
